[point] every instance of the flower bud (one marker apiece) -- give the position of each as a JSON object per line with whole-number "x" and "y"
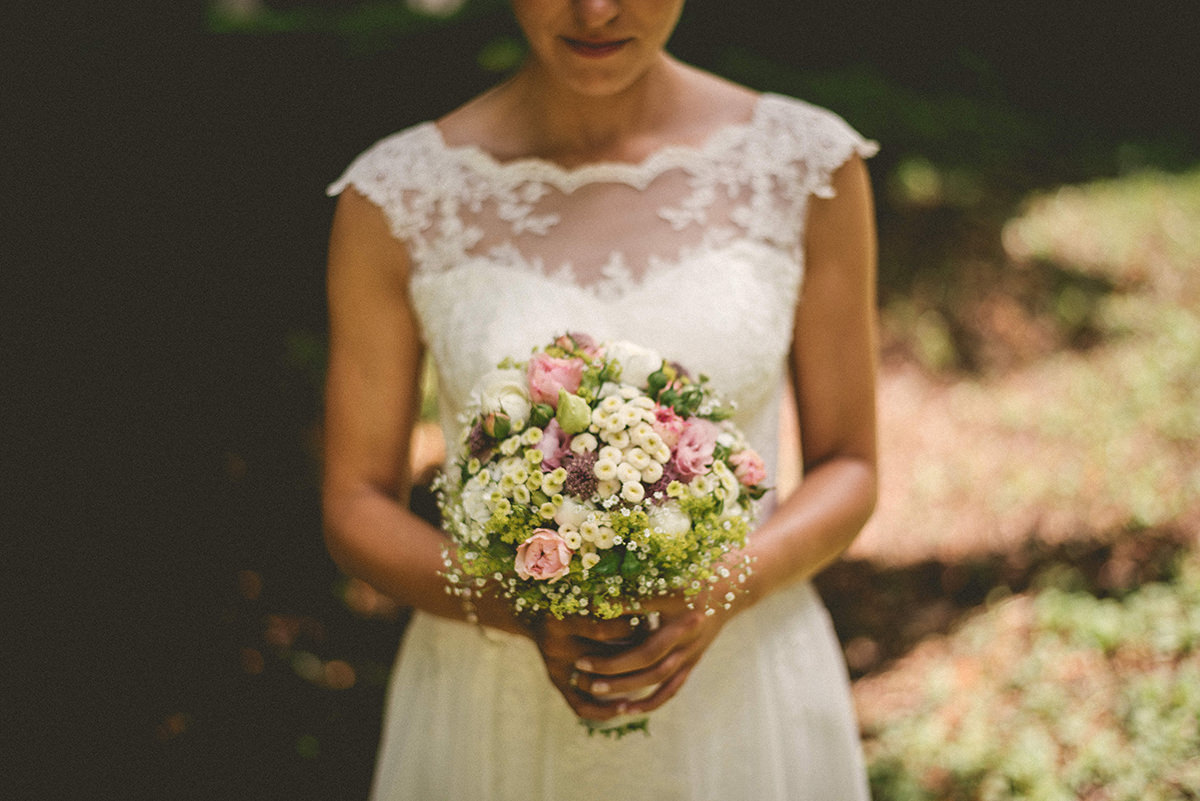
{"x": 497, "y": 425}
{"x": 573, "y": 415}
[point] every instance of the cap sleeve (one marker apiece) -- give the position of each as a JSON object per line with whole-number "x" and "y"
{"x": 815, "y": 142}
{"x": 399, "y": 175}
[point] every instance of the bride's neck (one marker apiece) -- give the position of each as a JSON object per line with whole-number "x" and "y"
{"x": 568, "y": 127}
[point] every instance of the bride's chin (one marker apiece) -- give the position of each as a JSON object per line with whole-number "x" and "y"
{"x": 597, "y": 79}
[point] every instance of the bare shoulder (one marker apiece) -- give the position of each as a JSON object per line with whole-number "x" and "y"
{"x": 712, "y": 101}
{"x": 478, "y": 122}
{"x": 357, "y": 213}
{"x": 851, "y": 193}
{"x": 361, "y": 241}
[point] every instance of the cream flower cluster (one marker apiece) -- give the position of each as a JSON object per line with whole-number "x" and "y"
{"x": 631, "y": 453}
{"x": 516, "y": 477}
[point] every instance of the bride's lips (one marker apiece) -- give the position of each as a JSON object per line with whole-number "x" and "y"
{"x": 589, "y": 48}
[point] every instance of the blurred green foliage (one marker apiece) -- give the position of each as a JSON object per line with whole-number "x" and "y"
{"x": 1093, "y": 431}
{"x": 1059, "y": 696}
{"x": 1068, "y": 695}
{"x": 365, "y": 28}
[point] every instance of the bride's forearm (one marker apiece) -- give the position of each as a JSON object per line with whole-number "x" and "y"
{"x": 813, "y": 525}
{"x": 373, "y": 537}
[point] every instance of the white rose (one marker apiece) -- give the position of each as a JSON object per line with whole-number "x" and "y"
{"x": 505, "y": 391}
{"x": 637, "y": 363}
{"x": 609, "y": 389}
{"x": 571, "y": 514}
{"x": 474, "y": 502}
{"x": 670, "y": 520}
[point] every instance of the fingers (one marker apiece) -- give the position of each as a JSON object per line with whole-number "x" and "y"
{"x": 666, "y": 691}
{"x": 566, "y": 643}
{"x": 572, "y": 685}
{"x": 590, "y": 633}
{"x": 672, "y": 635}
{"x": 599, "y": 698}
{"x": 636, "y": 686}
{"x": 605, "y": 668}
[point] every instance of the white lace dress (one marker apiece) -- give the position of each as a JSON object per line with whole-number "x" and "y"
{"x": 694, "y": 252}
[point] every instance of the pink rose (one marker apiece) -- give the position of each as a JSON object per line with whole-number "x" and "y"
{"x": 668, "y": 425}
{"x": 694, "y": 453}
{"x": 573, "y": 340}
{"x": 547, "y": 375}
{"x": 544, "y": 556}
{"x": 554, "y": 446}
{"x": 748, "y": 466}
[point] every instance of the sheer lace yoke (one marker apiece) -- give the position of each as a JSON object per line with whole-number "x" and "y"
{"x": 453, "y": 205}
{"x": 637, "y": 174}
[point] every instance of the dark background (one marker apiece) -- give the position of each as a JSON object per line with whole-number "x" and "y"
{"x": 165, "y": 224}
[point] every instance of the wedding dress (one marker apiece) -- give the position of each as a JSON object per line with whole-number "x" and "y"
{"x": 695, "y": 253}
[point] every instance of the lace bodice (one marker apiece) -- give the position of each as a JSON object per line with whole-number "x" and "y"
{"x": 695, "y": 251}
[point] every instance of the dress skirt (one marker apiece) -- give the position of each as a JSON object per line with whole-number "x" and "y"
{"x": 765, "y": 715}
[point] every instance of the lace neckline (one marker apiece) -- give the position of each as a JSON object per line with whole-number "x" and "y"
{"x": 638, "y": 174}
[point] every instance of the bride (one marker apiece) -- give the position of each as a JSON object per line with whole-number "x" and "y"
{"x": 607, "y": 188}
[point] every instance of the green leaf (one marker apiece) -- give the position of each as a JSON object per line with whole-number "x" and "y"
{"x": 609, "y": 564}
{"x": 632, "y": 564}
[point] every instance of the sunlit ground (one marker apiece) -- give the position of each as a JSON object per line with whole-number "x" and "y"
{"x": 1053, "y": 692}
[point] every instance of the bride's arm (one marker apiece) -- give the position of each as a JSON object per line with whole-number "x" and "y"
{"x": 833, "y": 361}
{"x": 371, "y": 404}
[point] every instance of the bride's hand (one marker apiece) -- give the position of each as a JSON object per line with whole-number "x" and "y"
{"x": 672, "y": 636}
{"x": 564, "y": 644}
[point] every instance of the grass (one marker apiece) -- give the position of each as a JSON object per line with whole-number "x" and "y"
{"x": 1092, "y": 441}
{"x": 1062, "y": 691}
{"x": 1052, "y": 695}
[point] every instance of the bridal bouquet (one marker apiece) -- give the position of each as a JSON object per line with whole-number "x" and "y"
{"x": 594, "y": 476}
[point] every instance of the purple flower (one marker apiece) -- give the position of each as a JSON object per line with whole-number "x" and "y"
{"x": 479, "y": 444}
{"x": 554, "y": 445}
{"x": 581, "y": 476}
